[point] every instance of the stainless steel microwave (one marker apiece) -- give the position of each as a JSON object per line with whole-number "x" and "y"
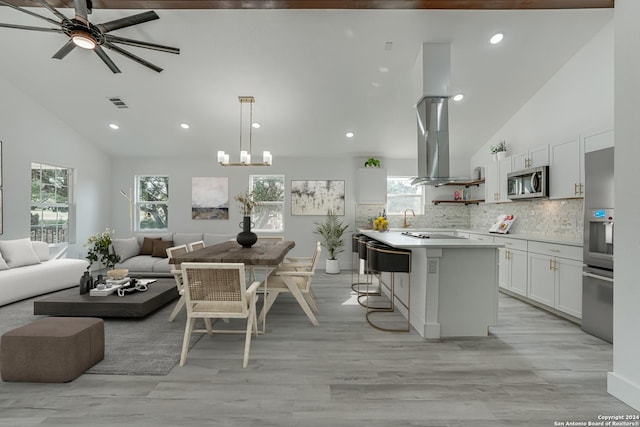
{"x": 528, "y": 183}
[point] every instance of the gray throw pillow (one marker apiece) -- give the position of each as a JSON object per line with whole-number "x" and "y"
{"x": 3, "y": 263}
{"x": 125, "y": 248}
{"x": 18, "y": 253}
{"x": 42, "y": 250}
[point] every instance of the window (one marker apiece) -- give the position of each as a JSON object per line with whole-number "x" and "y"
{"x": 402, "y": 195}
{"x": 269, "y": 192}
{"x": 152, "y": 202}
{"x": 50, "y": 202}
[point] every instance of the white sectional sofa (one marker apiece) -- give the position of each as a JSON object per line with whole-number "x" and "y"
{"x": 26, "y": 270}
{"x": 145, "y": 253}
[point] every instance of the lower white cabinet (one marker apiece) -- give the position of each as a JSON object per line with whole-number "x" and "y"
{"x": 553, "y": 280}
{"x": 512, "y": 267}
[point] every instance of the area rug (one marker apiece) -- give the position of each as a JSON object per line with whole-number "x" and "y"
{"x": 147, "y": 346}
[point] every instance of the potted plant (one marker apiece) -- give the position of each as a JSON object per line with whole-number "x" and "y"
{"x": 332, "y": 230}
{"x": 499, "y": 151}
{"x": 372, "y": 162}
{"x": 100, "y": 250}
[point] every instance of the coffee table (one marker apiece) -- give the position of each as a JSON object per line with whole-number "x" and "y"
{"x": 135, "y": 304}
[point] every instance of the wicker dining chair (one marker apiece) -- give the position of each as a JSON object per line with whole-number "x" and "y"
{"x": 177, "y": 275}
{"x": 218, "y": 291}
{"x": 295, "y": 278}
{"x": 194, "y": 246}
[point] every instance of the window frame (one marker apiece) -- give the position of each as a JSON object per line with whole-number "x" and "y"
{"x": 421, "y": 195}
{"x": 137, "y": 203}
{"x": 69, "y": 236}
{"x": 281, "y": 203}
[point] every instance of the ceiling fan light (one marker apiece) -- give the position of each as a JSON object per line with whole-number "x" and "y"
{"x": 83, "y": 40}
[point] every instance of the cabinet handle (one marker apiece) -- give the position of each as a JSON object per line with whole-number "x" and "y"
{"x": 581, "y": 188}
{"x": 550, "y": 264}
{"x": 575, "y": 189}
{"x": 555, "y": 264}
{"x": 554, "y": 250}
{"x": 508, "y": 243}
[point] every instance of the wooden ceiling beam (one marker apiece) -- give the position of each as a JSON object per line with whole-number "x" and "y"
{"x": 335, "y": 4}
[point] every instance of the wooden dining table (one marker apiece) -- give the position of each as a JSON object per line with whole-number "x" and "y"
{"x": 265, "y": 253}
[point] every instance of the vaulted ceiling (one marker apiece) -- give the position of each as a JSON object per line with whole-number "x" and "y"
{"x": 316, "y": 68}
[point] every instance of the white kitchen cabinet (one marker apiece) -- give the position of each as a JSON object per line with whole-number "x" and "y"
{"x": 512, "y": 272}
{"x": 532, "y": 158}
{"x": 554, "y": 280}
{"x": 566, "y": 169}
{"x": 496, "y": 180}
{"x": 482, "y": 237}
{"x": 372, "y": 186}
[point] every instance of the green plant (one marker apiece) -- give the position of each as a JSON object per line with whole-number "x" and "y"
{"x": 502, "y": 146}
{"x": 331, "y": 230}
{"x": 100, "y": 249}
{"x": 372, "y": 163}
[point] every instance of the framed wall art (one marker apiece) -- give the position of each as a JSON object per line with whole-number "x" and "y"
{"x": 210, "y": 197}
{"x": 317, "y": 197}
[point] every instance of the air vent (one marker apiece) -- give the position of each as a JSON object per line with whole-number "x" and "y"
{"x": 118, "y": 102}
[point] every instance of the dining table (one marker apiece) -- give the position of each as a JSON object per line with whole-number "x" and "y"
{"x": 267, "y": 253}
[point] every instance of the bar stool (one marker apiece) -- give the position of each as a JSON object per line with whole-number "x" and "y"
{"x": 387, "y": 259}
{"x": 362, "y": 256}
{"x": 373, "y": 248}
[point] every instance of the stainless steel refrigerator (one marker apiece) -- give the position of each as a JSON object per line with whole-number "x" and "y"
{"x": 597, "y": 275}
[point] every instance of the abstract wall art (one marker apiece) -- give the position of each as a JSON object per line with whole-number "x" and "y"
{"x": 210, "y": 197}
{"x": 317, "y": 197}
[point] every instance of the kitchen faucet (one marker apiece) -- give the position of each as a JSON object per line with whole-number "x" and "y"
{"x": 405, "y": 224}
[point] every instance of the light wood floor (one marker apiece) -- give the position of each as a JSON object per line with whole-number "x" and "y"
{"x": 534, "y": 369}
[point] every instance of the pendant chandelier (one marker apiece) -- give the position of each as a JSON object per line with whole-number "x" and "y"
{"x": 245, "y": 156}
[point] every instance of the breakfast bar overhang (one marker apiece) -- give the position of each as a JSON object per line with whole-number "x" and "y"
{"x": 454, "y": 284}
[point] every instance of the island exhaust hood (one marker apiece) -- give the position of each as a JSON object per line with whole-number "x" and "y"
{"x": 432, "y": 110}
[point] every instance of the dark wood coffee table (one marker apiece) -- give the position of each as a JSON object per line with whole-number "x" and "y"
{"x": 135, "y": 304}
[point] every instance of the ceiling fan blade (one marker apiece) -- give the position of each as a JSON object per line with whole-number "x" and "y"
{"x": 102, "y": 54}
{"x": 146, "y": 45}
{"x": 53, "y": 10}
{"x": 64, "y": 50}
{"x": 26, "y": 27}
{"x": 81, "y": 10}
{"x": 28, "y": 12}
{"x": 128, "y": 21}
{"x": 133, "y": 57}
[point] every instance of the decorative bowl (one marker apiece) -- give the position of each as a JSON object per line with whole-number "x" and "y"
{"x": 117, "y": 274}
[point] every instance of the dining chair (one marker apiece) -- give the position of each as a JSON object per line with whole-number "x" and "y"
{"x": 218, "y": 291}
{"x": 294, "y": 278}
{"x": 177, "y": 275}
{"x": 194, "y": 246}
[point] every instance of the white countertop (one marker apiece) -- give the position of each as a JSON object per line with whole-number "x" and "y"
{"x": 545, "y": 238}
{"x": 398, "y": 240}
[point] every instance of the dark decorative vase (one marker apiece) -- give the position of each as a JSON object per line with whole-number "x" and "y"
{"x": 246, "y": 238}
{"x": 86, "y": 282}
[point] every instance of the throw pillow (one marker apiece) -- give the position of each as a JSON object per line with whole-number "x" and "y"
{"x": 18, "y": 253}
{"x": 160, "y": 248}
{"x": 42, "y": 250}
{"x": 125, "y": 248}
{"x": 3, "y": 263}
{"x": 147, "y": 245}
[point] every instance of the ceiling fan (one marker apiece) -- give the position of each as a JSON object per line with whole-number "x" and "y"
{"x": 84, "y": 34}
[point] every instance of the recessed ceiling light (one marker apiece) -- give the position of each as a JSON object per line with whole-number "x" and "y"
{"x": 383, "y": 69}
{"x": 114, "y": 126}
{"x": 255, "y": 125}
{"x": 375, "y": 84}
{"x": 496, "y": 38}
{"x": 184, "y": 125}
{"x": 350, "y": 134}
{"x": 458, "y": 97}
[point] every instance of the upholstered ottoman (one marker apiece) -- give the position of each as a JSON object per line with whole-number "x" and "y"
{"x": 53, "y": 349}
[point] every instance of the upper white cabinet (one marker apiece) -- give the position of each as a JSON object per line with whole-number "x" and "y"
{"x": 533, "y": 158}
{"x": 496, "y": 180}
{"x": 566, "y": 169}
{"x": 372, "y": 186}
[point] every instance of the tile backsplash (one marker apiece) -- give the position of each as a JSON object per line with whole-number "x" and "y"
{"x": 561, "y": 218}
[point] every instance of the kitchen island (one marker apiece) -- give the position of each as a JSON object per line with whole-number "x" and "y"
{"x": 453, "y": 284}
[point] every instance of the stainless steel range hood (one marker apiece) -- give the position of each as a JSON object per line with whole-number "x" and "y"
{"x": 433, "y": 116}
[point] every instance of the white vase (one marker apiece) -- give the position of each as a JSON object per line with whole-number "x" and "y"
{"x": 332, "y": 266}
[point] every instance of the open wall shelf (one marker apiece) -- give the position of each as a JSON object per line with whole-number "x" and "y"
{"x": 459, "y": 202}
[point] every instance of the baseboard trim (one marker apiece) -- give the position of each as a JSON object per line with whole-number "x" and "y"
{"x": 624, "y": 390}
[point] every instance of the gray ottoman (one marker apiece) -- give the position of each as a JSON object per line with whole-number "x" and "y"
{"x": 53, "y": 349}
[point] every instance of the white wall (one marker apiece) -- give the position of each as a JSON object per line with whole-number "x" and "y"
{"x": 624, "y": 381}
{"x": 30, "y": 133}
{"x": 578, "y": 99}
{"x": 181, "y": 170}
